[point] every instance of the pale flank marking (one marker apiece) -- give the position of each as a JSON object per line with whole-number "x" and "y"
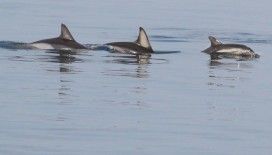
{"x": 122, "y": 50}
{"x": 45, "y": 46}
{"x": 235, "y": 51}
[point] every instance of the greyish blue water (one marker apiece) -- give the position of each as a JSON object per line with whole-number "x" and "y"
{"x": 96, "y": 102}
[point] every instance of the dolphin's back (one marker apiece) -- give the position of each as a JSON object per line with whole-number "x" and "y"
{"x": 228, "y": 46}
{"x": 61, "y": 42}
{"x": 230, "y": 50}
{"x": 64, "y": 41}
{"x": 140, "y": 46}
{"x": 233, "y": 49}
{"x": 130, "y": 46}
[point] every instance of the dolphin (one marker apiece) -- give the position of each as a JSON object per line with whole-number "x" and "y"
{"x": 140, "y": 46}
{"x": 64, "y": 42}
{"x": 218, "y": 50}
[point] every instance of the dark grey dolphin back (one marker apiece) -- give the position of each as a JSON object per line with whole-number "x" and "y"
{"x": 214, "y": 41}
{"x": 65, "y": 33}
{"x": 143, "y": 40}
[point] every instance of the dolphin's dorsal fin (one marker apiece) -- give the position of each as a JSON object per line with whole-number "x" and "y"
{"x": 143, "y": 39}
{"x": 214, "y": 41}
{"x": 65, "y": 33}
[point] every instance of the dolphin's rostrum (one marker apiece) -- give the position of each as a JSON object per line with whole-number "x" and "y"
{"x": 64, "y": 42}
{"x": 140, "y": 46}
{"x": 218, "y": 50}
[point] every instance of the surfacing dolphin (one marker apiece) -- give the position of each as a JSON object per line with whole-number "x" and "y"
{"x": 218, "y": 50}
{"x": 64, "y": 42}
{"x": 140, "y": 46}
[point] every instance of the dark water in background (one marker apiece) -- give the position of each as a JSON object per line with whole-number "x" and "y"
{"x": 95, "y": 102}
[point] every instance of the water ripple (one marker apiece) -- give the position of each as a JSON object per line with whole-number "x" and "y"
{"x": 229, "y": 73}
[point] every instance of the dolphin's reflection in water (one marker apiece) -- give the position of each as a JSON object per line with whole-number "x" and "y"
{"x": 228, "y": 73}
{"x": 232, "y": 65}
{"x": 130, "y": 59}
{"x": 129, "y": 66}
{"x": 141, "y": 63}
{"x": 60, "y": 62}
{"x": 136, "y": 66}
{"x": 65, "y": 59}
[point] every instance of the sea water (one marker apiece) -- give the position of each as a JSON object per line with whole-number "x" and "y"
{"x": 96, "y": 102}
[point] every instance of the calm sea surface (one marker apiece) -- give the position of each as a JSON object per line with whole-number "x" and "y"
{"x": 101, "y": 103}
